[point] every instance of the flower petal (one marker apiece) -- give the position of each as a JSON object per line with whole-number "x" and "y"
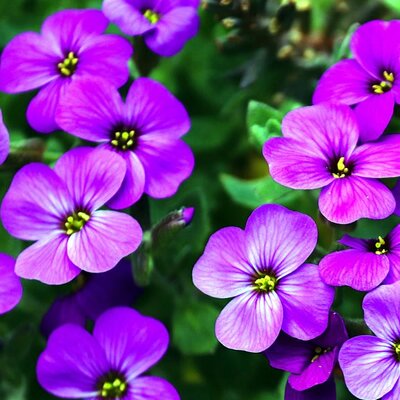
{"x": 396, "y": 194}
{"x": 166, "y": 165}
{"x": 132, "y": 186}
{"x": 326, "y": 391}
{"x": 250, "y": 322}
{"x": 394, "y": 271}
{"x": 375, "y": 46}
{"x": 316, "y": 373}
{"x": 330, "y": 129}
{"x": 104, "y": 240}
{"x": 92, "y": 176}
{"x": 27, "y": 63}
{"x": 349, "y": 199}
{"x": 173, "y": 30}
{"x": 394, "y": 393}
{"x": 35, "y": 203}
{"x": 127, "y": 15}
{"x": 72, "y": 363}
{"x": 345, "y": 82}
{"x": 4, "y": 140}
{"x": 369, "y": 367}
{"x": 289, "y": 354}
{"x": 152, "y": 388}
{"x": 293, "y": 164}
{"x": 47, "y": 261}
{"x": 132, "y": 343}
{"x": 354, "y": 243}
{"x": 10, "y": 288}
{"x": 373, "y": 115}
{"x": 306, "y": 301}
{"x": 382, "y": 310}
{"x": 107, "y": 57}
{"x": 223, "y": 270}
{"x": 379, "y": 159}
{"x": 279, "y": 239}
{"x": 41, "y": 112}
{"x": 336, "y": 333}
{"x": 358, "y": 269}
{"x": 152, "y": 109}
{"x": 90, "y": 109}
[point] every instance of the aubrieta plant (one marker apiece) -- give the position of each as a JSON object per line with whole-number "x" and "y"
{"x": 93, "y": 209}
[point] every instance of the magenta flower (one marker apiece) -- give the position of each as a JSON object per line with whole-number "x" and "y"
{"x": 263, "y": 268}
{"x": 10, "y": 288}
{"x": 371, "y": 364}
{"x": 371, "y": 80}
{"x": 319, "y": 150}
{"x": 4, "y": 141}
{"x": 310, "y": 363}
{"x": 145, "y": 132}
{"x": 109, "y": 363}
{"x": 165, "y": 25}
{"x": 71, "y": 45}
{"x": 367, "y": 263}
{"x": 95, "y": 294}
{"x": 59, "y": 209}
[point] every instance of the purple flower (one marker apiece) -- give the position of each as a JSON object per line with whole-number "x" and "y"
{"x": 367, "y": 263}
{"x": 4, "y": 141}
{"x": 263, "y": 268}
{"x": 59, "y": 209}
{"x": 145, "y": 132}
{"x": 371, "y": 364}
{"x": 165, "y": 25}
{"x": 107, "y": 364}
{"x": 10, "y": 288}
{"x": 96, "y": 293}
{"x": 71, "y": 46}
{"x": 325, "y": 391}
{"x": 319, "y": 150}
{"x": 309, "y": 363}
{"x": 371, "y": 80}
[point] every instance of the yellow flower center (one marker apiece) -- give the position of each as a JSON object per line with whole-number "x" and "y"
{"x": 265, "y": 283}
{"x": 318, "y": 351}
{"x": 113, "y": 389}
{"x": 380, "y": 247}
{"x": 75, "y": 222}
{"x": 385, "y": 85}
{"x": 152, "y": 16}
{"x": 123, "y": 140}
{"x": 68, "y": 66}
{"x": 340, "y": 170}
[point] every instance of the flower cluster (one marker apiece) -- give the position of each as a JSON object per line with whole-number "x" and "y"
{"x": 78, "y": 69}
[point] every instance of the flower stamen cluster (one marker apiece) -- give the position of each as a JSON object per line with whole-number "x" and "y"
{"x": 113, "y": 389}
{"x": 319, "y": 351}
{"x": 266, "y": 283}
{"x": 123, "y": 140}
{"x": 396, "y": 347}
{"x": 380, "y": 246}
{"x": 68, "y": 66}
{"x": 385, "y": 85}
{"x": 342, "y": 171}
{"x": 75, "y": 222}
{"x": 152, "y": 16}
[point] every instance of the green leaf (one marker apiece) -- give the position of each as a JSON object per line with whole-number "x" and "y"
{"x": 394, "y": 4}
{"x": 342, "y": 48}
{"x": 259, "y": 113}
{"x": 253, "y": 193}
{"x": 193, "y": 327}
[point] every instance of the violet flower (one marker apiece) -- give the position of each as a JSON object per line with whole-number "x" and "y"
{"x": 325, "y": 391}
{"x": 10, "y": 288}
{"x": 107, "y": 364}
{"x": 145, "y": 132}
{"x": 4, "y": 141}
{"x": 59, "y": 209}
{"x": 319, "y": 150}
{"x": 95, "y": 294}
{"x": 310, "y": 363}
{"x": 367, "y": 263}
{"x": 165, "y": 25}
{"x": 263, "y": 268}
{"x": 370, "y": 80}
{"x": 371, "y": 364}
{"x": 71, "y": 45}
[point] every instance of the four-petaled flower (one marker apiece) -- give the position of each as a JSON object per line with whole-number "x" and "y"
{"x": 165, "y": 25}
{"x": 60, "y": 210}
{"x": 371, "y": 364}
{"x": 145, "y": 132}
{"x": 263, "y": 268}
{"x": 107, "y": 364}
{"x": 367, "y": 263}
{"x": 371, "y": 80}
{"x": 319, "y": 150}
{"x": 72, "y": 44}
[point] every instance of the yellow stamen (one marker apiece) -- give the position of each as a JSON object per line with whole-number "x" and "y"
{"x": 388, "y": 76}
{"x": 68, "y": 66}
{"x": 265, "y": 283}
{"x": 151, "y": 16}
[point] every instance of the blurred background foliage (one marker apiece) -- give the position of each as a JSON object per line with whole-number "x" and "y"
{"x": 253, "y": 61}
